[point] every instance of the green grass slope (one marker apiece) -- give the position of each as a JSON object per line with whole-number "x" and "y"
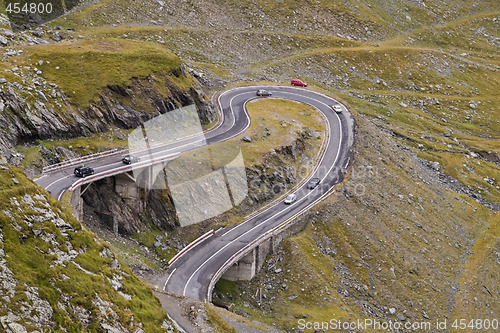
{"x": 84, "y": 68}
{"x": 360, "y": 19}
{"x": 57, "y": 276}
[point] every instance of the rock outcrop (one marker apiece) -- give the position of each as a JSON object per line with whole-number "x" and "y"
{"x": 54, "y": 117}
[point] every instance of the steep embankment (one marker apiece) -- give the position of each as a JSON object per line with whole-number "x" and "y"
{"x": 57, "y": 276}
{"x": 57, "y": 101}
{"x": 81, "y": 88}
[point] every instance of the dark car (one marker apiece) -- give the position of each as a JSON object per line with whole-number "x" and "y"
{"x": 313, "y": 183}
{"x": 83, "y": 171}
{"x": 297, "y": 82}
{"x": 129, "y": 159}
{"x": 261, "y": 92}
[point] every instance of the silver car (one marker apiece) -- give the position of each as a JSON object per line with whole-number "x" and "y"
{"x": 261, "y": 92}
{"x": 291, "y": 198}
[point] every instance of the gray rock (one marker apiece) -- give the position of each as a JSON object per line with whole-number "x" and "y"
{"x": 110, "y": 329}
{"x": 2, "y": 81}
{"x": 84, "y": 316}
{"x": 115, "y": 264}
{"x": 41, "y": 307}
{"x": 4, "y": 41}
{"x": 42, "y": 96}
{"x": 392, "y": 311}
{"x": 17, "y": 328}
{"x": 246, "y": 139}
{"x": 425, "y": 315}
{"x": 166, "y": 325}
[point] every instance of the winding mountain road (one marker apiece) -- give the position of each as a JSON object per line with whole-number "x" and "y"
{"x": 194, "y": 273}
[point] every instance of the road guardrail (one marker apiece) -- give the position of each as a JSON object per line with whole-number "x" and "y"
{"x": 82, "y": 159}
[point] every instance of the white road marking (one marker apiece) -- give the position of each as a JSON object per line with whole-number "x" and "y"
{"x": 168, "y": 278}
{"x": 60, "y": 195}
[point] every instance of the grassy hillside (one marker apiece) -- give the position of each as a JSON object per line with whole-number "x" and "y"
{"x": 390, "y": 237}
{"x": 83, "y": 68}
{"x": 356, "y": 19}
{"x": 58, "y": 276}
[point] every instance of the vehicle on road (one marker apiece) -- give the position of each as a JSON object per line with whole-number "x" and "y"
{"x": 262, "y": 92}
{"x": 313, "y": 183}
{"x": 290, "y": 199}
{"x": 129, "y": 159}
{"x": 337, "y": 108}
{"x": 83, "y": 171}
{"x": 297, "y": 82}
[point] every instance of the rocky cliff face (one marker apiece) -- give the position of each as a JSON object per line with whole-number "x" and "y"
{"x": 103, "y": 207}
{"x": 54, "y": 117}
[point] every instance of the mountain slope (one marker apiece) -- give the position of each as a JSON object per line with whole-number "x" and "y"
{"x": 413, "y": 232}
{"x": 57, "y": 276}
{"x": 392, "y": 236}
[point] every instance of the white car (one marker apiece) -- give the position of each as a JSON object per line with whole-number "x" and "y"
{"x": 337, "y": 108}
{"x": 290, "y": 199}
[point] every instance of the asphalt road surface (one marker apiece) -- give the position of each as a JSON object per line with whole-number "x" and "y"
{"x": 194, "y": 271}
